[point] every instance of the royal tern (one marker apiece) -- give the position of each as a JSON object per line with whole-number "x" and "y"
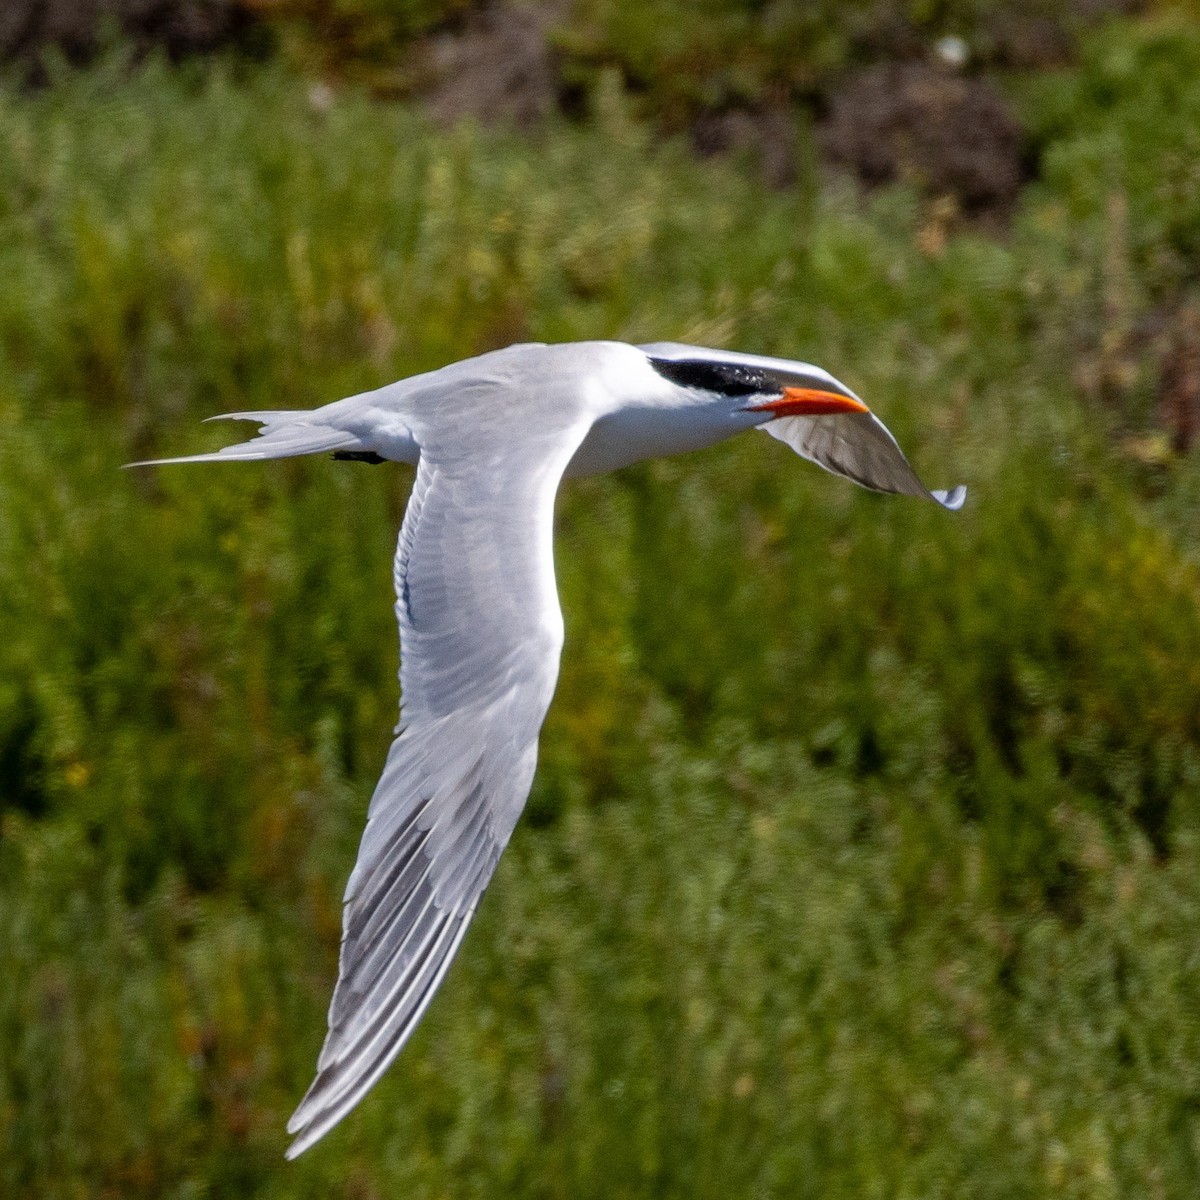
{"x": 480, "y": 625}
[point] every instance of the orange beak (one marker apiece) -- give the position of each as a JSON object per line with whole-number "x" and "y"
{"x": 810, "y": 402}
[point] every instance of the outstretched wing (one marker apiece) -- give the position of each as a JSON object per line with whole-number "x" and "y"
{"x": 860, "y": 447}
{"x": 480, "y": 636}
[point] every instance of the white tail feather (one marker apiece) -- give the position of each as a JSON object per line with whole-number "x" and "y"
{"x": 266, "y": 416}
{"x": 284, "y": 435}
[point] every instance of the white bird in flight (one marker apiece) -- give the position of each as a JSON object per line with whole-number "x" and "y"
{"x": 480, "y": 625}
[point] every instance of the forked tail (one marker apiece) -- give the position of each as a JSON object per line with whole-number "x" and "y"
{"x": 284, "y": 434}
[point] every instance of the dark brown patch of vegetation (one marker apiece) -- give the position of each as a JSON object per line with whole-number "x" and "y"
{"x": 76, "y": 28}
{"x": 925, "y": 125}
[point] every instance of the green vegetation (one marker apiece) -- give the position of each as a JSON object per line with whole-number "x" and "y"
{"x": 678, "y": 58}
{"x": 864, "y": 857}
{"x": 684, "y": 56}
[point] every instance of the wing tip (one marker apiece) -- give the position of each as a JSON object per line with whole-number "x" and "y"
{"x": 300, "y": 1143}
{"x": 952, "y": 498}
{"x": 306, "y": 1127}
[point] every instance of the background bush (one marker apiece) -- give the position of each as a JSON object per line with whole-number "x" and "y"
{"x": 676, "y": 57}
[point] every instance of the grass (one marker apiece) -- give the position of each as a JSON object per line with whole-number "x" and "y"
{"x": 863, "y": 855}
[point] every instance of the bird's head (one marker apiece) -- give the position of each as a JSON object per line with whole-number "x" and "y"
{"x": 804, "y": 406}
{"x": 775, "y": 387}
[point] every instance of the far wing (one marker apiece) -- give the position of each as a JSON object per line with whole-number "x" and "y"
{"x": 480, "y": 635}
{"x": 860, "y": 447}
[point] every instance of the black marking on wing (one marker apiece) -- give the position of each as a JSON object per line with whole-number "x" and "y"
{"x": 726, "y": 379}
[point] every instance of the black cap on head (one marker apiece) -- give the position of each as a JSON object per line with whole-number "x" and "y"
{"x": 712, "y": 375}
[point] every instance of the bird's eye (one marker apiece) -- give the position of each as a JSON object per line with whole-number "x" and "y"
{"x": 726, "y": 379}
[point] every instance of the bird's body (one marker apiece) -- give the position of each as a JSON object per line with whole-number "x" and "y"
{"x": 480, "y": 626}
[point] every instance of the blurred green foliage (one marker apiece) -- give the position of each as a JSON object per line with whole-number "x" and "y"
{"x": 678, "y": 58}
{"x": 1127, "y": 122}
{"x": 353, "y": 34}
{"x": 864, "y": 855}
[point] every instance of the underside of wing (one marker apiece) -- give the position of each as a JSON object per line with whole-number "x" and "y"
{"x": 480, "y": 633}
{"x": 439, "y": 821}
{"x": 860, "y": 447}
